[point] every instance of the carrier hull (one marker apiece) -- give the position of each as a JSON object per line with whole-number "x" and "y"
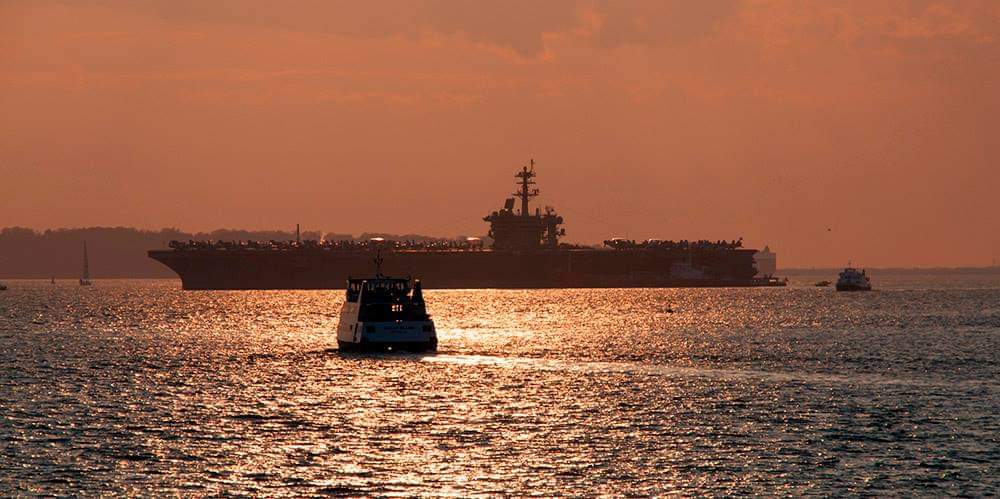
{"x": 571, "y": 268}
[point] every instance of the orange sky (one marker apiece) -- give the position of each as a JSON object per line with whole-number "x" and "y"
{"x": 767, "y": 119}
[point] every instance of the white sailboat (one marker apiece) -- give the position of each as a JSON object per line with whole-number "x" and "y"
{"x": 85, "y": 280}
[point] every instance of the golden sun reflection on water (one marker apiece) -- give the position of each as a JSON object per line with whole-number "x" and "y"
{"x": 139, "y": 388}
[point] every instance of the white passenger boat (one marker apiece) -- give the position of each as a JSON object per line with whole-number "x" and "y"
{"x": 385, "y": 313}
{"x": 852, "y": 279}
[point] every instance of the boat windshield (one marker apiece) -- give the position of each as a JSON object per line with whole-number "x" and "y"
{"x": 387, "y": 286}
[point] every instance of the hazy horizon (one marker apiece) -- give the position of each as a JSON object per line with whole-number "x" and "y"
{"x": 860, "y": 131}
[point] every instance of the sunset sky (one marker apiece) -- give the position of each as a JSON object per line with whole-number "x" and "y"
{"x": 866, "y": 130}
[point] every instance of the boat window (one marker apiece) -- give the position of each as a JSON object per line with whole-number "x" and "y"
{"x": 375, "y": 312}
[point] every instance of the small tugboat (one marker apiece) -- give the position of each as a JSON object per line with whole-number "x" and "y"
{"x": 384, "y": 313}
{"x": 852, "y": 279}
{"x": 3, "y": 287}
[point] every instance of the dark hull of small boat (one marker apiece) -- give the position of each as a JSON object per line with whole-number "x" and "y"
{"x": 395, "y": 346}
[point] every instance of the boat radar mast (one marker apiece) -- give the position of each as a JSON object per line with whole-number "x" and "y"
{"x": 524, "y": 230}
{"x": 378, "y": 242}
{"x": 378, "y": 262}
{"x": 525, "y": 192}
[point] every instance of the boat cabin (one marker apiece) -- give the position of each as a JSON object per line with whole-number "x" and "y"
{"x": 385, "y": 313}
{"x": 386, "y": 299}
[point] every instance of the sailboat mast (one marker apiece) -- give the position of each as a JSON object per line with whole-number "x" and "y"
{"x": 86, "y": 263}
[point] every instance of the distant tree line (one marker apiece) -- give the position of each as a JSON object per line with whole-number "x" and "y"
{"x": 117, "y": 252}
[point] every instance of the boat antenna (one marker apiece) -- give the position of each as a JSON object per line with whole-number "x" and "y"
{"x": 378, "y": 262}
{"x": 377, "y": 242}
{"x": 298, "y": 237}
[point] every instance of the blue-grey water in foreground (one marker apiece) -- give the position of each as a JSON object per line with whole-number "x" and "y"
{"x": 137, "y": 387}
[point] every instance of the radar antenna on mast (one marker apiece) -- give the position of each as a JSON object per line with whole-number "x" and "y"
{"x": 525, "y": 192}
{"x": 377, "y": 242}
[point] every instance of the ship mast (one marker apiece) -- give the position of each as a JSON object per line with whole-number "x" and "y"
{"x": 86, "y": 263}
{"x": 511, "y": 230}
{"x": 525, "y": 192}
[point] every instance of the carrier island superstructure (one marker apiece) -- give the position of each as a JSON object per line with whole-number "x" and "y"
{"x": 525, "y": 253}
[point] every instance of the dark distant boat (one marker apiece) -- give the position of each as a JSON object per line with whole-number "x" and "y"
{"x": 3, "y": 287}
{"x": 385, "y": 313}
{"x": 525, "y": 252}
{"x": 85, "y": 279}
{"x": 823, "y": 284}
{"x": 852, "y": 279}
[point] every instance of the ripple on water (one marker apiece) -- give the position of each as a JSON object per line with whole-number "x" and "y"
{"x": 138, "y": 388}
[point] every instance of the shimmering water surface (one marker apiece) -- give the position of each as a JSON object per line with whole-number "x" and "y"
{"x": 139, "y": 387}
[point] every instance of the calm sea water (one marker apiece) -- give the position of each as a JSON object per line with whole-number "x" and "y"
{"x": 137, "y": 387}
